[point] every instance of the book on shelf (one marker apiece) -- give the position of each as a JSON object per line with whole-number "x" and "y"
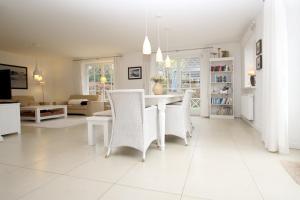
{"x": 220, "y": 68}
{"x": 221, "y": 101}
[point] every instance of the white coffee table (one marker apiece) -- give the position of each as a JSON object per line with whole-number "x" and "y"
{"x": 38, "y": 113}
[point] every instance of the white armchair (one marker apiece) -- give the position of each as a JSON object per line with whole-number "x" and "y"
{"x": 178, "y": 120}
{"x": 133, "y": 125}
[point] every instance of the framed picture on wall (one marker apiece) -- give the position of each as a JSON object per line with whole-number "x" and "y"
{"x": 259, "y": 62}
{"x": 134, "y": 73}
{"x": 258, "y": 47}
{"x": 18, "y": 75}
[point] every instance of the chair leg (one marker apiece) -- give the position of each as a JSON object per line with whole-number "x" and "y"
{"x": 108, "y": 152}
{"x": 144, "y": 156}
{"x": 185, "y": 141}
{"x": 190, "y": 133}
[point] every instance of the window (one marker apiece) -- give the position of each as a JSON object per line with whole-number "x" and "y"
{"x": 100, "y": 78}
{"x": 185, "y": 74}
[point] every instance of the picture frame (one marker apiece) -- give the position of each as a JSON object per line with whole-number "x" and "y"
{"x": 18, "y": 75}
{"x": 258, "y": 47}
{"x": 134, "y": 73}
{"x": 259, "y": 62}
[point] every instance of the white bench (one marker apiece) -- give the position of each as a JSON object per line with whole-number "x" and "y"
{"x": 100, "y": 120}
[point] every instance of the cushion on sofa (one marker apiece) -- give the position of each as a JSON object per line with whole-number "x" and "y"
{"x": 88, "y": 97}
{"x": 77, "y": 107}
{"x": 76, "y": 101}
{"x": 25, "y": 100}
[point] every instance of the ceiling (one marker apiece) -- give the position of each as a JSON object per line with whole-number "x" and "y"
{"x": 89, "y": 28}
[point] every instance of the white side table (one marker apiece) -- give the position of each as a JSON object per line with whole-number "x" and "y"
{"x": 103, "y": 121}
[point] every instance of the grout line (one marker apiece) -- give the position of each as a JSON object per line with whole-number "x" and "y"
{"x": 247, "y": 167}
{"x": 38, "y": 187}
{"x": 114, "y": 183}
{"x": 32, "y": 169}
{"x": 190, "y": 165}
{"x": 146, "y": 189}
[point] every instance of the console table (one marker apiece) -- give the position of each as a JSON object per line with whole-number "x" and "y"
{"x": 9, "y": 119}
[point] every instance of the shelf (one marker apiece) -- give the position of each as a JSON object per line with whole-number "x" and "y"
{"x": 221, "y": 104}
{"x": 220, "y": 82}
{"x": 220, "y": 94}
{"x": 221, "y": 59}
{"x": 221, "y": 72}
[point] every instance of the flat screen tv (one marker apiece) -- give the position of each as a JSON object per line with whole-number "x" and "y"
{"x": 5, "y": 84}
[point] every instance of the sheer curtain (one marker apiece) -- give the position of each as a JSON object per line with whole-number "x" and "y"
{"x": 275, "y": 75}
{"x": 204, "y": 103}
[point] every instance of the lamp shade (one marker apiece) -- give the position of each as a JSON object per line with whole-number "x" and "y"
{"x": 146, "y": 46}
{"x": 37, "y": 74}
{"x": 103, "y": 79}
{"x": 168, "y": 62}
{"x": 251, "y": 72}
{"x": 159, "y": 56}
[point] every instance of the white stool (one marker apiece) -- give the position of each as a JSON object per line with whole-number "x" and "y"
{"x": 104, "y": 121}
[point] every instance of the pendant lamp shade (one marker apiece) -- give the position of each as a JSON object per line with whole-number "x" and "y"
{"x": 168, "y": 62}
{"x": 159, "y": 56}
{"x": 37, "y": 74}
{"x": 146, "y": 46}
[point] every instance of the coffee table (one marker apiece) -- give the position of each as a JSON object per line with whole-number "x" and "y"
{"x": 38, "y": 113}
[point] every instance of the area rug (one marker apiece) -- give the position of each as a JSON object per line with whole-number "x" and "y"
{"x": 57, "y": 123}
{"x": 293, "y": 169}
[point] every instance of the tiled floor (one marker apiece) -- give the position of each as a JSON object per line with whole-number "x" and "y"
{"x": 224, "y": 161}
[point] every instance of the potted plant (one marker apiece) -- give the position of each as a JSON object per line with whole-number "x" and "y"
{"x": 158, "y": 87}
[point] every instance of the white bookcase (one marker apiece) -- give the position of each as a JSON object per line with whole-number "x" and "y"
{"x": 221, "y": 92}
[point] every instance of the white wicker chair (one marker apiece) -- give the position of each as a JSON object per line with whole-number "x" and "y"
{"x": 133, "y": 125}
{"x": 178, "y": 120}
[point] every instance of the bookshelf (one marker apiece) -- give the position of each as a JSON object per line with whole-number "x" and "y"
{"x": 221, "y": 84}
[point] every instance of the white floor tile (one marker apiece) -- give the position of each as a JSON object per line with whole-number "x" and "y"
{"x": 126, "y": 193}
{"x": 225, "y": 159}
{"x": 108, "y": 169}
{"x": 163, "y": 171}
{"x": 69, "y": 188}
{"x": 20, "y": 181}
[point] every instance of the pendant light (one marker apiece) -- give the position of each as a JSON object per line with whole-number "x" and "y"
{"x": 167, "y": 61}
{"x": 146, "y": 45}
{"x": 159, "y": 56}
{"x": 37, "y": 74}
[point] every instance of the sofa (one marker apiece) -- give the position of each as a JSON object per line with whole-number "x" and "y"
{"x": 92, "y": 104}
{"x": 25, "y": 100}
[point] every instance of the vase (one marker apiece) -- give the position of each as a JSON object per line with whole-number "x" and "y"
{"x": 252, "y": 80}
{"x": 157, "y": 88}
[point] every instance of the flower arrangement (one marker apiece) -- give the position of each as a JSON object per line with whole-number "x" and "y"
{"x": 158, "y": 79}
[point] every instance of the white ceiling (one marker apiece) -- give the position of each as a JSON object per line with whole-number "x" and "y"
{"x": 88, "y": 28}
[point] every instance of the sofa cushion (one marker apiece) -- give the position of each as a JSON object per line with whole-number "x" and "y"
{"x": 77, "y": 107}
{"x": 25, "y": 100}
{"x": 77, "y": 101}
{"x": 88, "y": 97}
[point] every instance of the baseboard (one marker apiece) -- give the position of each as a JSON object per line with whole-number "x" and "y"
{"x": 294, "y": 145}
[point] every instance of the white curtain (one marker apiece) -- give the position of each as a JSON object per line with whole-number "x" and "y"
{"x": 204, "y": 76}
{"x": 84, "y": 78}
{"x": 275, "y": 76}
{"x": 116, "y": 70}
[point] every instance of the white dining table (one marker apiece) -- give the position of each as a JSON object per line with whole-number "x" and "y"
{"x": 161, "y": 101}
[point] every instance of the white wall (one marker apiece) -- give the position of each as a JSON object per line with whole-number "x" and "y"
{"x": 129, "y": 60}
{"x": 58, "y": 75}
{"x": 258, "y": 95}
{"x": 293, "y": 16}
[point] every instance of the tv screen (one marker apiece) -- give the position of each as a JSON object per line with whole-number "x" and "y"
{"x": 5, "y": 84}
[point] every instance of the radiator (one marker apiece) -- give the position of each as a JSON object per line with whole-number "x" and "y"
{"x": 248, "y": 106}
